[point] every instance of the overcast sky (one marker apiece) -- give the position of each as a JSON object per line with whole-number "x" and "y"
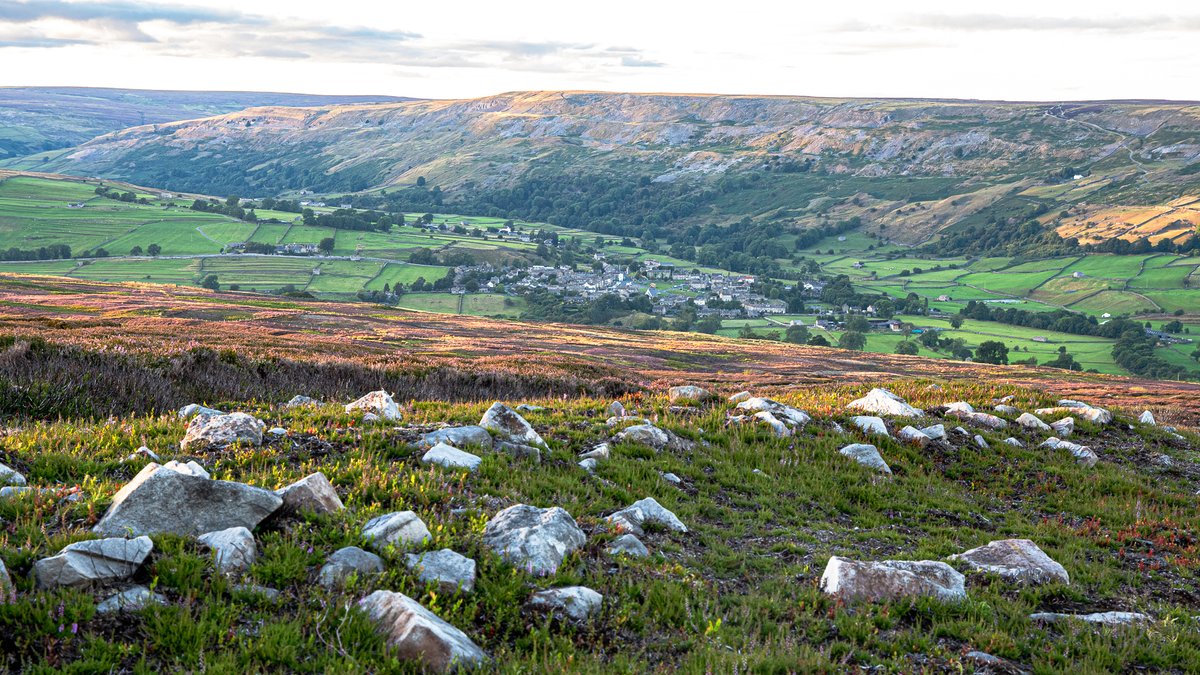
{"x": 1016, "y": 49}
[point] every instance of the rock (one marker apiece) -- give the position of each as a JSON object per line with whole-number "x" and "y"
{"x": 870, "y": 425}
{"x": 602, "y": 451}
{"x": 378, "y": 403}
{"x": 130, "y": 600}
{"x": 534, "y": 539}
{"x": 1087, "y": 412}
{"x": 416, "y": 634}
{"x": 914, "y": 436}
{"x": 511, "y": 425}
{"x": 1031, "y": 422}
{"x": 520, "y": 451}
{"x": 778, "y": 428}
{"x": 525, "y": 407}
{"x": 1016, "y": 560}
{"x": 182, "y": 499}
{"x": 370, "y": 418}
{"x": 739, "y": 397}
{"x": 589, "y": 465}
{"x": 8, "y": 592}
{"x": 141, "y": 452}
{"x": 449, "y": 570}
{"x": 891, "y": 579}
{"x": 451, "y": 457}
{"x": 1006, "y": 399}
{"x": 1147, "y": 418}
{"x": 348, "y": 561}
{"x": 837, "y": 428}
{"x": 94, "y": 561}
{"x": 301, "y": 402}
{"x": 311, "y": 494}
{"x": 1064, "y": 427}
{"x": 688, "y": 394}
{"x": 981, "y": 442}
{"x": 234, "y": 549}
{"x": 884, "y": 402}
{"x": 617, "y": 420}
{"x": 1006, "y": 410}
{"x": 786, "y": 413}
{"x": 277, "y": 431}
{"x": 962, "y": 431}
{"x": 981, "y": 419}
{"x": 220, "y": 431}
{"x": 959, "y": 406}
{"x": 572, "y": 603}
{"x": 402, "y": 529}
{"x": 867, "y": 455}
{"x": 936, "y": 432}
{"x": 1105, "y": 618}
{"x": 652, "y": 436}
{"x": 983, "y": 658}
{"x": 1014, "y": 442}
{"x": 672, "y": 478}
{"x": 255, "y": 589}
{"x": 616, "y": 409}
{"x": 458, "y": 437}
{"x": 1083, "y": 454}
{"x": 634, "y": 517}
{"x": 192, "y": 410}
{"x": 628, "y": 544}
{"x": 10, "y": 476}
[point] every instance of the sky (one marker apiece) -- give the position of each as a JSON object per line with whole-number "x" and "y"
{"x": 1012, "y": 50}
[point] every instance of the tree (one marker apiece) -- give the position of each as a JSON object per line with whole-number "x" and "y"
{"x": 858, "y": 324}
{"x": 136, "y": 250}
{"x": 907, "y": 347}
{"x": 796, "y": 334}
{"x": 420, "y": 181}
{"x": 210, "y": 282}
{"x": 818, "y": 341}
{"x": 709, "y": 324}
{"x": 326, "y": 245}
{"x": 154, "y": 249}
{"x": 1175, "y": 326}
{"x": 852, "y": 339}
{"x": 1064, "y": 361}
{"x": 992, "y": 351}
{"x": 956, "y": 321}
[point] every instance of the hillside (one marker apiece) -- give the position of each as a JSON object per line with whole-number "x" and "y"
{"x": 37, "y": 119}
{"x": 915, "y": 168}
{"x": 738, "y": 553}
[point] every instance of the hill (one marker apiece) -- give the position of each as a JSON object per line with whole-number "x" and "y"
{"x": 742, "y": 561}
{"x": 911, "y": 169}
{"x": 37, "y": 119}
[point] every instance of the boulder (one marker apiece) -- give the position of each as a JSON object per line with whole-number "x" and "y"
{"x": 791, "y": 416}
{"x": 311, "y": 494}
{"x": 1087, "y": 412}
{"x": 884, "y": 402}
{"x": 688, "y": 394}
{"x": 267, "y": 592}
{"x": 1103, "y": 618}
{"x": 672, "y": 478}
{"x": 602, "y": 451}
{"x": 867, "y": 455}
{"x": 1082, "y": 453}
{"x": 130, "y": 600}
{"x": 182, "y": 499}
{"x": 10, "y": 476}
{"x": 1031, "y": 422}
{"x": 520, "y": 451}
{"x": 1147, "y": 417}
{"x": 634, "y": 517}
{"x": 8, "y": 592}
{"x": 377, "y": 403}
{"x": 510, "y": 424}
{"x": 142, "y": 452}
{"x": 95, "y": 561}
{"x": 449, "y": 570}
{"x": 1064, "y": 427}
{"x": 913, "y": 435}
{"x": 617, "y": 420}
{"x": 589, "y": 465}
{"x": 348, "y": 561}
{"x": 981, "y": 419}
{"x": 981, "y": 442}
{"x": 572, "y": 603}
{"x": 870, "y": 425}
{"x": 891, "y": 579}
{"x": 221, "y": 431}
{"x": 616, "y": 409}
{"x": 299, "y": 401}
{"x": 1006, "y": 410}
{"x": 370, "y": 418}
{"x": 525, "y": 407}
{"x": 1017, "y": 560}
{"x": 458, "y": 437}
{"x": 778, "y": 428}
{"x": 277, "y": 432}
{"x": 628, "y": 544}
{"x": 1014, "y": 442}
{"x": 192, "y": 410}
{"x": 402, "y": 529}
{"x": 959, "y": 406}
{"x": 650, "y": 435}
{"x": 450, "y": 457}
{"x": 532, "y": 538}
{"x": 413, "y": 633}
{"x": 739, "y": 397}
{"x": 233, "y": 548}
{"x": 936, "y": 432}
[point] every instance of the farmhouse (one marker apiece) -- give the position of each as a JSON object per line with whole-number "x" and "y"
{"x": 296, "y": 249}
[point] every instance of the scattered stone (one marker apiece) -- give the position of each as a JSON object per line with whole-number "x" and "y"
{"x": 933, "y": 387}
{"x": 837, "y": 428}
{"x": 870, "y": 425}
{"x": 634, "y": 517}
{"x": 739, "y": 397}
{"x": 913, "y": 435}
{"x": 370, "y": 418}
{"x": 1007, "y": 399}
{"x": 672, "y": 478}
{"x": 457, "y": 437}
{"x": 628, "y": 544}
{"x": 981, "y": 442}
{"x": 1017, "y": 560}
{"x": 616, "y": 409}
{"x": 299, "y": 401}
{"x": 1087, "y": 412}
{"x": 94, "y": 561}
{"x": 378, "y": 403}
{"x": 416, "y": 634}
{"x": 1147, "y": 418}
{"x": 1031, "y": 422}
{"x": 625, "y": 419}
{"x": 449, "y": 570}
{"x": 1082, "y": 453}
{"x": 981, "y": 419}
{"x": 1006, "y": 410}
{"x": 884, "y": 402}
{"x": 959, "y": 407}
{"x": 130, "y": 600}
{"x": 652, "y": 436}
{"x": 891, "y": 579}
{"x": 688, "y": 394}
{"x": 221, "y": 431}
{"x": 143, "y": 451}
{"x": 792, "y": 416}
{"x": 983, "y": 658}
{"x": 450, "y": 457}
{"x": 589, "y": 465}
{"x": 401, "y": 529}
{"x": 1014, "y": 442}
{"x": 936, "y": 432}
{"x": 525, "y": 407}
{"x": 1064, "y": 427}
{"x": 277, "y": 431}
{"x": 509, "y": 423}
{"x": 10, "y": 476}
{"x": 778, "y": 428}
{"x": 573, "y": 603}
{"x": 267, "y": 592}
{"x": 867, "y": 455}
{"x": 182, "y": 499}
{"x": 192, "y": 410}
{"x": 962, "y": 431}
{"x": 1105, "y": 618}
{"x": 602, "y": 451}
{"x": 348, "y": 561}
{"x": 532, "y": 538}
{"x": 234, "y": 549}
{"x": 311, "y": 494}
{"x": 8, "y": 592}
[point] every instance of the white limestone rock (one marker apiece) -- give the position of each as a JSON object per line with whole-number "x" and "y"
{"x": 449, "y": 570}
{"x": 867, "y": 455}
{"x": 1031, "y": 422}
{"x": 402, "y": 529}
{"x": 854, "y": 580}
{"x": 95, "y": 561}
{"x": 311, "y": 494}
{"x": 914, "y": 436}
{"x": 1082, "y": 453}
{"x": 1015, "y": 559}
{"x": 458, "y": 437}
{"x": 221, "y": 431}
{"x": 509, "y": 423}
{"x": 233, "y": 549}
{"x": 870, "y": 425}
{"x": 346, "y": 562}
{"x": 628, "y": 544}
{"x": 884, "y": 402}
{"x": 572, "y": 603}
{"x": 413, "y": 633}
{"x": 450, "y": 457}
{"x": 378, "y": 403}
{"x": 130, "y": 600}
{"x": 534, "y": 539}
{"x": 634, "y": 517}
{"x": 793, "y": 417}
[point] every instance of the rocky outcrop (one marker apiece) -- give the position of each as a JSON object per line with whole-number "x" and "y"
{"x": 533, "y": 539}
{"x": 572, "y": 603}
{"x": 637, "y": 515}
{"x": 867, "y": 455}
{"x": 509, "y": 424}
{"x": 221, "y": 431}
{"x": 935, "y": 432}
{"x": 311, "y": 494}
{"x": 1015, "y": 559}
{"x": 402, "y": 529}
{"x": 450, "y": 457}
{"x": 95, "y": 561}
{"x": 378, "y": 403}
{"x": 346, "y": 562}
{"x": 778, "y": 428}
{"x": 449, "y": 570}
{"x": 884, "y": 402}
{"x": 413, "y": 633}
{"x": 891, "y": 579}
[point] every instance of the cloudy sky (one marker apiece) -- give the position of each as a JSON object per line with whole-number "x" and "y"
{"x": 1016, "y": 49}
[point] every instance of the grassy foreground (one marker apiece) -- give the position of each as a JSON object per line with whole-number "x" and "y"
{"x": 738, "y": 593}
